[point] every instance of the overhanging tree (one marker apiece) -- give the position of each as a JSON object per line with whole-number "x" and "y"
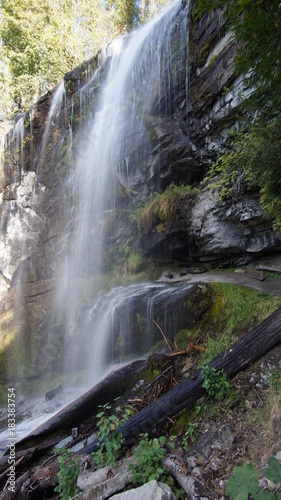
{"x": 41, "y": 40}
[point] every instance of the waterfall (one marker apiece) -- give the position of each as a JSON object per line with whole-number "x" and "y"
{"x": 141, "y": 80}
{"x": 122, "y": 326}
{"x": 53, "y": 116}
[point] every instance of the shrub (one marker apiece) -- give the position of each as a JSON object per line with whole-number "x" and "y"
{"x": 110, "y": 440}
{"x": 148, "y": 456}
{"x": 215, "y": 382}
{"x": 69, "y": 470}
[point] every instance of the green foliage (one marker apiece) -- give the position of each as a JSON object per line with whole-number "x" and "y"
{"x": 274, "y": 379}
{"x": 69, "y": 470}
{"x": 235, "y": 311}
{"x": 41, "y": 41}
{"x": 244, "y": 481}
{"x": 163, "y": 208}
{"x": 110, "y": 440}
{"x": 273, "y": 471}
{"x": 253, "y": 163}
{"x": 148, "y": 456}
{"x": 190, "y": 435}
{"x": 215, "y": 382}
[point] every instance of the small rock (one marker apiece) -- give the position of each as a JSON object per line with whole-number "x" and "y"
{"x": 276, "y": 423}
{"x": 53, "y": 393}
{"x": 64, "y": 442}
{"x": 220, "y": 438}
{"x": 77, "y": 447}
{"x": 153, "y": 490}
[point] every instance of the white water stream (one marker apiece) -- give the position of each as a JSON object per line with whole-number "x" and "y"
{"x": 138, "y": 82}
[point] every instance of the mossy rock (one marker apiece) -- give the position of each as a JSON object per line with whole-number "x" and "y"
{"x": 156, "y": 364}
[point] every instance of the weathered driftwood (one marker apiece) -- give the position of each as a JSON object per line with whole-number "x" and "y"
{"x": 104, "y": 483}
{"x": 84, "y": 407}
{"x": 236, "y": 358}
{"x": 193, "y": 486}
{"x": 37, "y": 483}
{"x": 27, "y": 457}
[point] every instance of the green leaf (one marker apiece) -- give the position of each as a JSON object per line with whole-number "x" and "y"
{"x": 243, "y": 481}
{"x": 273, "y": 470}
{"x": 265, "y": 495}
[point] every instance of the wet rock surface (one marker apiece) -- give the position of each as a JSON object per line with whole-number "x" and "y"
{"x": 38, "y": 206}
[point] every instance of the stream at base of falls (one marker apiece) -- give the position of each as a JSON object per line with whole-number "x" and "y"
{"x": 124, "y": 323}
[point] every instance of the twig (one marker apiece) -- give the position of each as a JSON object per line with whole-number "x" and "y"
{"x": 191, "y": 347}
{"x": 163, "y": 336}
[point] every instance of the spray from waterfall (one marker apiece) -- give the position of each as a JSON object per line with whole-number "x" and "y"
{"x": 140, "y": 79}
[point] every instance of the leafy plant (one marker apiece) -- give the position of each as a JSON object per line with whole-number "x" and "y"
{"x": 190, "y": 435}
{"x": 244, "y": 481}
{"x": 110, "y": 439}
{"x": 148, "y": 456}
{"x": 215, "y": 382}
{"x": 69, "y": 470}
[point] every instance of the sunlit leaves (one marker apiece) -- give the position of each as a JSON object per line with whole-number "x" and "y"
{"x": 44, "y": 39}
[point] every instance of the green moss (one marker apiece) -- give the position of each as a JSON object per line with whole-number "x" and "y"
{"x": 135, "y": 262}
{"x": 162, "y": 209}
{"x": 185, "y": 416}
{"x": 158, "y": 347}
{"x": 155, "y": 367}
{"x": 212, "y": 60}
{"x": 235, "y": 311}
{"x": 183, "y": 337}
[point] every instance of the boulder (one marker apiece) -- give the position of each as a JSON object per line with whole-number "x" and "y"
{"x": 154, "y": 490}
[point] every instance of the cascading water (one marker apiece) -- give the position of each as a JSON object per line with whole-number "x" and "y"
{"x": 53, "y": 116}
{"x": 134, "y": 86}
{"x": 125, "y": 317}
{"x": 142, "y": 78}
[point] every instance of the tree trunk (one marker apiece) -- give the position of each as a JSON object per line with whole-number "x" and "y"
{"x": 84, "y": 407}
{"x": 236, "y": 358}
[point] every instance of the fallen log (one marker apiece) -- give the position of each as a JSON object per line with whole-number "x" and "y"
{"x": 236, "y": 358}
{"x": 86, "y": 406}
{"x": 193, "y": 486}
{"x": 27, "y": 457}
{"x": 37, "y": 483}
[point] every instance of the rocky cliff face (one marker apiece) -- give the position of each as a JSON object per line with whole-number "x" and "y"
{"x": 205, "y": 228}
{"x": 38, "y": 203}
